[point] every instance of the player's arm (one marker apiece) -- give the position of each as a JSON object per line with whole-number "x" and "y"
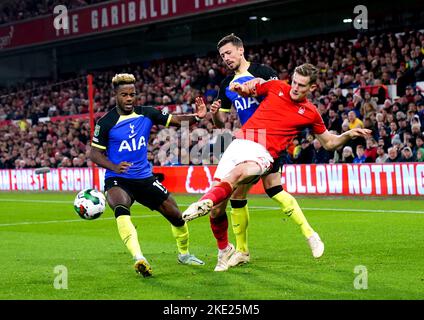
{"x": 98, "y": 156}
{"x": 331, "y": 141}
{"x": 252, "y": 87}
{"x": 201, "y": 109}
{"x": 166, "y": 119}
{"x": 219, "y": 116}
{"x": 221, "y": 107}
{"x": 98, "y": 148}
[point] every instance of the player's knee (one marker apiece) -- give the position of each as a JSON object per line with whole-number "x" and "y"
{"x": 217, "y": 211}
{"x": 121, "y": 210}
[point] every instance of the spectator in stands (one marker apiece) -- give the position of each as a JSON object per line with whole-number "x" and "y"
{"x": 320, "y": 155}
{"x": 360, "y": 154}
{"x": 419, "y": 143}
{"x": 333, "y": 122}
{"x": 347, "y": 155}
{"x": 371, "y": 150}
{"x": 420, "y": 155}
{"x": 407, "y": 155}
{"x": 419, "y": 74}
{"x": 381, "y": 155}
{"x": 354, "y": 122}
{"x": 306, "y": 153}
{"x": 416, "y": 130}
{"x": 393, "y": 155}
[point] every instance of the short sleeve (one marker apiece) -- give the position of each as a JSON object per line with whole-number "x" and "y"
{"x": 158, "y": 117}
{"x": 318, "y": 127}
{"x": 262, "y": 89}
{"x": 101, "y": 135}
{"x": 267, "y": 73}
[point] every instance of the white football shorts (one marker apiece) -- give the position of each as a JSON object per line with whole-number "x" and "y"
{"x": 240, "y": 151}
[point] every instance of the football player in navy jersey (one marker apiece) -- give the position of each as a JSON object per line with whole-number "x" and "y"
{"x": 119, "y": 145}
{"x": 231, "y": 50}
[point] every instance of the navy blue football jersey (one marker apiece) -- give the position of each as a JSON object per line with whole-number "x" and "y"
{"x": 125, "y": 138}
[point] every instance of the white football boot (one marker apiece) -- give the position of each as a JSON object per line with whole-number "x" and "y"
{"x": 223, "y": 257}
{"x": 316, "y": 245}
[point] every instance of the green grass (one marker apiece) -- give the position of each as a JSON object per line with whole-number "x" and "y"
{"x": 40, "y": 231}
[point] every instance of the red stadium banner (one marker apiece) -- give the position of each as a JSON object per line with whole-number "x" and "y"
{"x": 105, "y": 17}
{"x": 389, "y": 179}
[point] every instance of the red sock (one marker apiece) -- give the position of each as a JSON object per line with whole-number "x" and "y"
{"x": 219, "y": 228}
{"x": 219, "y": 193}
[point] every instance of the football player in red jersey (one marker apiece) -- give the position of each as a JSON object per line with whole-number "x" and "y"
{"x": 231, "y": 50}
{"x": 281, "y": 116}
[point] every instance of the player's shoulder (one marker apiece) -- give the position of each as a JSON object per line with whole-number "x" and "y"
{"x": 262, "y": 70}
{"x": 275, "y": 83}
{"x": 149, "y": 111}
{"x": 311, "y": 105}
{"x": 227, "y": 80}
{"x": 109, "y": 118}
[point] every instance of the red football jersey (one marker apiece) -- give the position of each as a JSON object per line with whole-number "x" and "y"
{"x": 279, "y": 119}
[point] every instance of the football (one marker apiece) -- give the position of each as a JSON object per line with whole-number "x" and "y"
{"x": 89, "y": 204}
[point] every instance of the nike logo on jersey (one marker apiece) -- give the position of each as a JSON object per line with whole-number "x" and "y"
{"x": 132, "y": 135}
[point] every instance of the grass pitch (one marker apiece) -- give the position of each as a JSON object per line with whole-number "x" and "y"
{"x": 40, "y": 231}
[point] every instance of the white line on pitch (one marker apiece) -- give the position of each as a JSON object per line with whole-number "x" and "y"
{"x": 66, "y": 221}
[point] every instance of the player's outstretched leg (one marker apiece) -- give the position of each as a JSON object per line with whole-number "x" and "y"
{"x": 198, "y": 209}
{"x": 291, "y": 208}
{"x": 214, "y": 196}
{"x": 181, "y": 236}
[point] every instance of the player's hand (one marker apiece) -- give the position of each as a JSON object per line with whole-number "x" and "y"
{"x": 359, "y": 132}
{"x": 200, "y": 107}
{"x": 251, "y": 84}
{"x": 215, "y": 106}
{"x": 240, "y": 89}
{"x": 122, "y": 167}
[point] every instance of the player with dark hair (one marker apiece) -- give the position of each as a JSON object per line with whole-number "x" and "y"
{"x": 281, "y": 116}
{"x": 120, "y": 145}
{"x": 231, "y": 50}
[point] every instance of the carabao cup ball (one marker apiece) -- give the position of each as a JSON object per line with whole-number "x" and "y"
{"x": 89, "y": 204}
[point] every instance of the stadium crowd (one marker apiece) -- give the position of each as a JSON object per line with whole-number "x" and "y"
{"x": 18, "y": 10}
{"x": 352, "y": 91}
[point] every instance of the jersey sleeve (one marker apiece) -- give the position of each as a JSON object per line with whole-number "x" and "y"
{"x": 267, "y": 73}
{"x": 318, "y": 127}
{"x": 225, "y": 102}
{"x": 262, "y": 89}
{"x": 101, "y": 135}
{"x": 159, "y": 118}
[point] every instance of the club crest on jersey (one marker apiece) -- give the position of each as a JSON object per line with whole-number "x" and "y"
{"x": 96, "y": 130}
{"x": 132, "y": 134}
